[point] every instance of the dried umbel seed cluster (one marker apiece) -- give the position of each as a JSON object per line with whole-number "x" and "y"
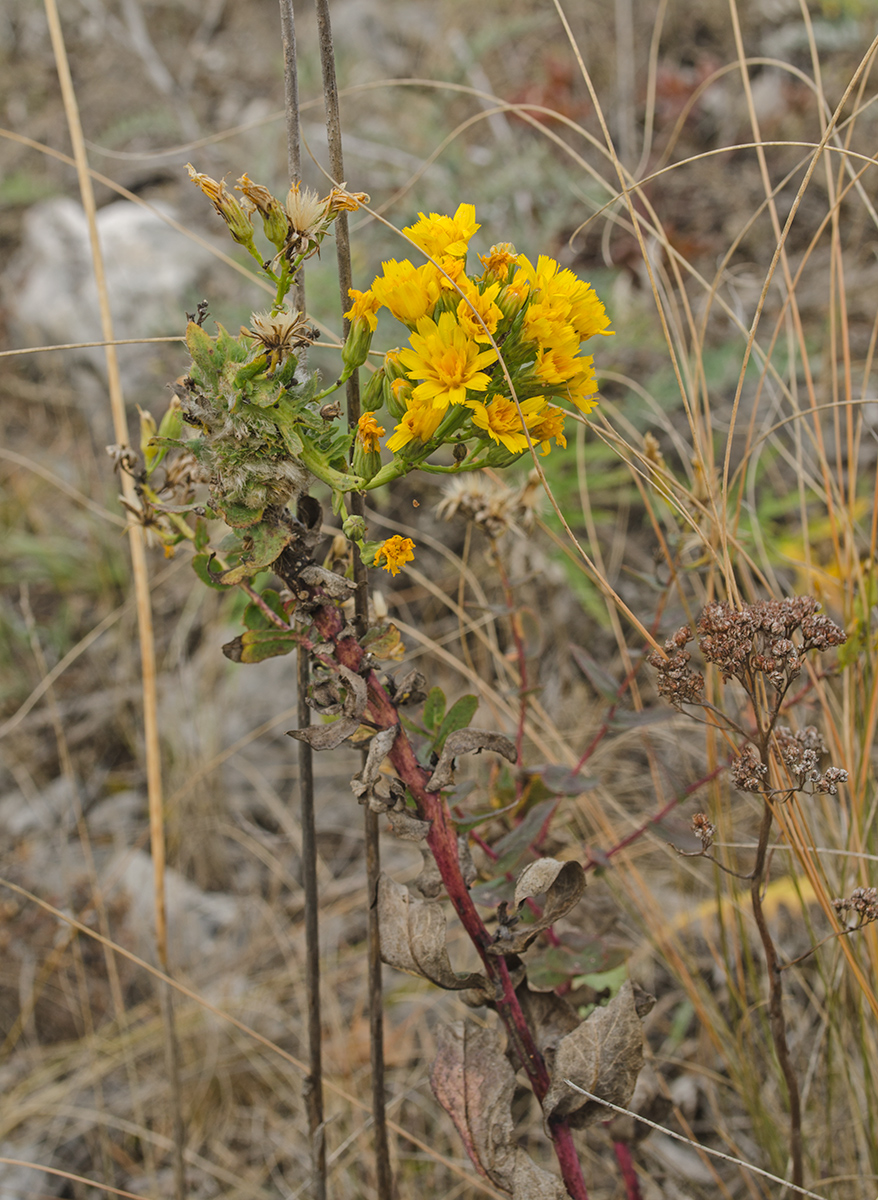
{"x": 800, "y": 753}
{"x": 759, "y": 638}
{"x": 704, "y": 830}
{"x": 748, "y": 772}
{"x": 676, "y": 679}
{"x": 863, "y": 902}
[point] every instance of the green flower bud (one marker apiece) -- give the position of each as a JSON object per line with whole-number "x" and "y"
{"x": 355, "y": 351}
{"x": 373, "y": 393}
{"x": 354, "y": 528}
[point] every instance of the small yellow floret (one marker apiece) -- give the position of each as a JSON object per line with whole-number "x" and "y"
{"x": 396, "y": 551}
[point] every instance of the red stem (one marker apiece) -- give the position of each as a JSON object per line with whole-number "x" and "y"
{"x": 626, "y": 1167}
{"x": 442, "y": 842}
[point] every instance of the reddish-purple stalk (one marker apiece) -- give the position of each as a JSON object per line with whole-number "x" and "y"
{"x": 442, "y": 843}
{"x": 626, "y": 1168}
{"x": 604, "y": 855}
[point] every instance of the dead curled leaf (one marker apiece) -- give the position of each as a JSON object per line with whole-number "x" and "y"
{"x": 379, "y": 748}
{"x": 326, "y": 737}
{"x": 603, "y": 1055}
{"x": 467, "y": 741}
{"x": 474, "y": 1082}
{"x": 413, "y": 937}
{"x": 563, "y": 884}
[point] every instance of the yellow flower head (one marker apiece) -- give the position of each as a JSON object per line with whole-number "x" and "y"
{"x": 498, "y": 260}
{"x": 485, "y": 305}
{"x": 557, "y": 363}
{"x": 501, "y": 421}
{"x": 563, "y": 298}
{"x": 447, "y": 360}
{"x": 419, "y": 422}
{"x": 365, "y": 306}
{"x": 368, "y": 433}
{"x": 396, "y": 552}
{"x": 408, "y": 292}
{"x": 437, "y": 234}
{"x": 548, "y": 424}
{"x": 582, "y": 387}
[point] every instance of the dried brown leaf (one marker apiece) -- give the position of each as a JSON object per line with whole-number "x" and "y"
{"x": 467, "y": 741}
{"x": 413, "y": 937}
{"x": 474, "y": 1083}
{"x": 407, "y": 826}
{"x": 563, "y": 884}
{"x": 604, "y": 1055}
{"x": 326, "y": 737}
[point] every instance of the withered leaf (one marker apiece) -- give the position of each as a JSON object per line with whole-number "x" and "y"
{"x": 604, "y": 1055}
{"x": 550, "y": 1017}
{"x": 467, "y": 741}
{"x": 563, "y": 883}
{"x": 413, "y": 937}
{"x": 474, "y": 1083}
{"x": 384, "y": 642}
{"x": 326, "y": 737}
{"x": 406, "y": 825}
{"x": 379, "y": 748}
{"x": 334, "y": 585}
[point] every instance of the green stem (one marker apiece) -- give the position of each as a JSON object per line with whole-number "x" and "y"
{"x": 339, "y": 481}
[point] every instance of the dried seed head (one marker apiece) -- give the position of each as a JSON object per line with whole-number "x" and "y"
{"x": 748, "y": 772}
{"x": 676, "y": 680}
{"x": 704, "y": 830}
{"x": 863, "y": 902}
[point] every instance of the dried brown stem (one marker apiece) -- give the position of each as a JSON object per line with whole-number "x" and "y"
{"x": 384, "y": 1174}
{"x": 777, "y": 1018}
{"x": 313, "y": 1087}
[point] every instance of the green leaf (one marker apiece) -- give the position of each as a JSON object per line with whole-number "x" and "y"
{"x": 231, "y": 348}
{"x": 204, "y": 353}
{"x": 202, "y": 534}
{"x": 255, "y": 618}
{"x": 578, "y": 954}
{"x": 258, "y": 644}
{"x": 434, "y": 709}
{"x": 238, "y": 516}
{"x": 201, "y": 567}
{"x": 458, "y": 717}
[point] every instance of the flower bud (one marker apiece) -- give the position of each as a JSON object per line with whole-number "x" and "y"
{"x": 354, "y": 528}
{"x": 366, "y": 460}
{"x": 171, "y": 424}
{"x": 373, "y": 393}
{"x": 226, "y": 205}
{"x": 511, "y": 299}
{"x": 396, "y": 396}
{"x": 274, "y": 217}
{"x": 355, "y": 351}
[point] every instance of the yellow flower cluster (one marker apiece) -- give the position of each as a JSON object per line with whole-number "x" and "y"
{"x": 450, "y": 379}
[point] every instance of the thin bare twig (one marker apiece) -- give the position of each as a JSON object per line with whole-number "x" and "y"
{"x": 314, "y": 1082}
{"x": 384, "y": 1175}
